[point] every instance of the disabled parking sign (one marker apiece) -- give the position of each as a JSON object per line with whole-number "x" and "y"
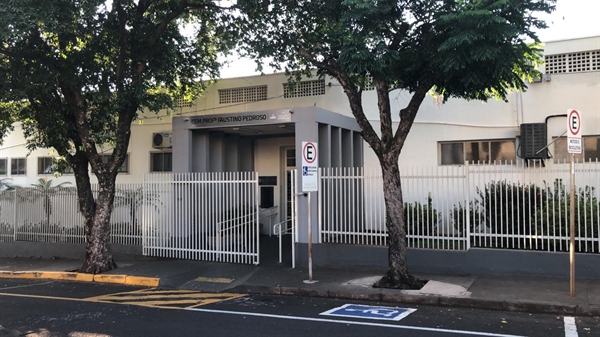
{"x": 369, "y": 311}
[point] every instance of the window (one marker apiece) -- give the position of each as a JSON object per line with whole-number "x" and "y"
{"x": 18, "y": 166}
{"x": 573, "y": 62}
{"x": 590, "y": 151}
{"x": 124, "y": 167}
{"x": 243, "y": 94}
{"x": 161, "y": 162}
{"x": 3, "y": 166}
{"x": 478, "y": 152}
{"x": 304, "y": 88}
{"x": 45, "y": 165}
{"x": 182, "y": 103}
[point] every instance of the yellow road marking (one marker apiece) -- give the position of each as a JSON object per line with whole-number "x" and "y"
{"x": 214, "y": 279}
{"x": 165, "y": 298}
{"x": 174, "y": 300}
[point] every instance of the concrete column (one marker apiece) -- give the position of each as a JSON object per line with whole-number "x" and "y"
{"x": 347, "y": 148}
{"x": 358, "y": 149}
{"x": 245, "y": 154}
{"x": 217, "y": 151}
{"x": 200, "y": 156}
{"x": 306, "y": 131}
{"x": 230, "y": 154}
{"x": 324, "y": 145}
{"x": 336, "y": 147}
{"x": 182, "y": 150}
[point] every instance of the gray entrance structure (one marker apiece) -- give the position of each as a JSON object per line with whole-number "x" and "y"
{"x": 232, "y": 143}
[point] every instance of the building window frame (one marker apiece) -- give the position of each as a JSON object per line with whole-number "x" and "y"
{"x": 477, "y": 152}
{"x": 3, "y": 166}
{"x": 163, "y": 153}
{"x": 18, "y": 166}
{"x": 124, "y": 168}
{"x": 587, "y": 155}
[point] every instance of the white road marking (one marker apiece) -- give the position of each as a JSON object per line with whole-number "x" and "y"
{"x": 570, "y": 327}
{"x": 339, "y": 321}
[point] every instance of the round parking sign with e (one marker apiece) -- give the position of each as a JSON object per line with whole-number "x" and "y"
{"x": 309, "y": 152}
{"x": 574, "y": 123}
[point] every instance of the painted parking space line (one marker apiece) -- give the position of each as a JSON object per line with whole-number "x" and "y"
{"x": 165, "y": 298}
{"x": 369, "y": 312}
{"x": 570, "y": 327}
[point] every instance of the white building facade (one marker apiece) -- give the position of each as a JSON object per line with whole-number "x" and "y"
{"x": 257, "y": 124}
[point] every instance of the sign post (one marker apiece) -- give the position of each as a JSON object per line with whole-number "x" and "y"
{"x": 573, "y": 147}
{"x": 310, "y": 183}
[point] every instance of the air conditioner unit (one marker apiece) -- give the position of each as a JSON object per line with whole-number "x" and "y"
{"x": 161, "y": 140}
{"x": 533, "y": 141}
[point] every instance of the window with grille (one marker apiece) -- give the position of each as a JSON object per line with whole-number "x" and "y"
{"x": 590, "y": 150}
{"x": 18, "y": 166}
{"x": 573, "y": 62}
{"x": 161, "y": 162}
{"x": 243, "y": 94}
{"x": 304, "y": 89}
{"x": 3, "y": 166}
{"x": 182, "y": 103}
{"x": 478, "y": 152}
{"x": 124, "y": 168}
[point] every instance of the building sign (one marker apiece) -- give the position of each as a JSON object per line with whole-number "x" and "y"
{"x": 310, "y": 167}
{"x": 369, "y": 311}
{"x": 574, "y": 131}
{"x": 250, "y": 118}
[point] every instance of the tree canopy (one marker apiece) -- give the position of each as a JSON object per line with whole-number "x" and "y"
{"x": 76, "y": 74}
{"x": 471, "y": 49}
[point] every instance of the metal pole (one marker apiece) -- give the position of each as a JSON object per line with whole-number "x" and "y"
{"x": 310, "y": 276}
{"x": 572, "y": 225}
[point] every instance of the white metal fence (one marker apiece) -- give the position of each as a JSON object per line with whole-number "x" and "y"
{"x": 457, "y": 207}
{"x": 205, "y": 216}
{"x": 52, "y": 215}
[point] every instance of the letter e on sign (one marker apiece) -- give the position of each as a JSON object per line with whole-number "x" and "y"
{"x": 573, "y": 124}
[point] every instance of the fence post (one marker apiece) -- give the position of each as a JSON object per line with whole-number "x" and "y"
{"x": 467, "y": 208}
{"x": 15, "y": 217}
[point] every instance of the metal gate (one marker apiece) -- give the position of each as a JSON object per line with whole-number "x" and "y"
{"x": 202, "y": 216}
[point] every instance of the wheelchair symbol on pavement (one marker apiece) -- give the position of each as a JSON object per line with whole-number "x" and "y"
{"x": 370, "y": 312}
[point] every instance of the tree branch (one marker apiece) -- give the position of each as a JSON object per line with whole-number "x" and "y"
{"x": 400, "y": 34}
{"x": 407, "y": 117}
{"x": 354, "y": 97}
{"x": 122, "y": 20}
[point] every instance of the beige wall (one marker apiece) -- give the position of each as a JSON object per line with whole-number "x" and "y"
{"x": 455, "y": 120}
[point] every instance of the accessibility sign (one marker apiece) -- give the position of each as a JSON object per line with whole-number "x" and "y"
{"x": 310, "y": 167}
{"x": 369, "y": 311}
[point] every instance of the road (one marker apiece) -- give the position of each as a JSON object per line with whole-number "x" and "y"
{"x": 53, "y": 308}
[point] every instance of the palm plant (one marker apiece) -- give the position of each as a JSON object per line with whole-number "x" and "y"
{"x": 46, "y": 190}
{"x": 133, "y": 199}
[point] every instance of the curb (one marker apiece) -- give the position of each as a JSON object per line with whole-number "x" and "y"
{"x": 435, "y": 300}
{"x": 82, "y": 277}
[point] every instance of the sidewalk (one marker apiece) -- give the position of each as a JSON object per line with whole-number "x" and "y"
{"x": 512, "y": 293}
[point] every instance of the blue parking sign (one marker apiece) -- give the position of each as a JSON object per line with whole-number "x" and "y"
{"x": 369, "y": 311}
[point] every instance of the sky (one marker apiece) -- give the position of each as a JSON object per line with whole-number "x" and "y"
{"x": 571, "y": 19}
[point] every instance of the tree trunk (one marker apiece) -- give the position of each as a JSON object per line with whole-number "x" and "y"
{"x": 96, "y": 215}
{"x": 98, "y": 255}
{"x": 397, "y": 276}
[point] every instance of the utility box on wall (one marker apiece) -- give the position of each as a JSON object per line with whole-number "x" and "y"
{"x": 533, "y": 141}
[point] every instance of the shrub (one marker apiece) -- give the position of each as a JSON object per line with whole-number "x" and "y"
{"x": 421, "y": 219}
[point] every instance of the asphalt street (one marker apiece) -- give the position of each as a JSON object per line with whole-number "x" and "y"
{"x": 53, "y": 308}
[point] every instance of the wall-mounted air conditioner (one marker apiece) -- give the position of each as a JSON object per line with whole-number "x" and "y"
{"x": 161, "y": 140}
{"x": 533, "y": 141}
